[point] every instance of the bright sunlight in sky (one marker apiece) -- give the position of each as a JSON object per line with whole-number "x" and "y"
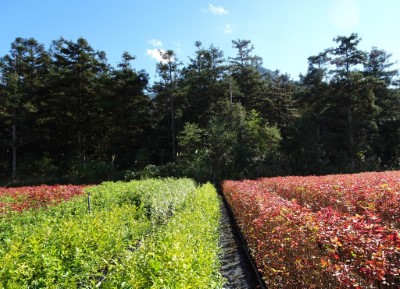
{"x": 284, "y": 33}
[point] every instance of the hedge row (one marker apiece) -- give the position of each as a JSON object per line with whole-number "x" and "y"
{"x": 66, "y": 246}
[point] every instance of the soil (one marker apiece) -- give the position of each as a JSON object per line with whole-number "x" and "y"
{"x": 236, "y": 266}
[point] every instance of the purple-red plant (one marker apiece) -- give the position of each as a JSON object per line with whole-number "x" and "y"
{"x": 34, "y": 197}
{"x": 339, "y": 231}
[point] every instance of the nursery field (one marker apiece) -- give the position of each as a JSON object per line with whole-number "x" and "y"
{"x": 141, "y": 234}
{"x": 338, "y": 231}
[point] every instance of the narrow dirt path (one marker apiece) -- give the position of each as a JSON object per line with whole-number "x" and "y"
{"x": 235, "y": 265}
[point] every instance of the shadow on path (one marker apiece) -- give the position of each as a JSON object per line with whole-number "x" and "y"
{"x": 235, "y": 265}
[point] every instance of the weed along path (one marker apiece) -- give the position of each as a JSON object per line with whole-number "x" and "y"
{"x": 235, "y": 264}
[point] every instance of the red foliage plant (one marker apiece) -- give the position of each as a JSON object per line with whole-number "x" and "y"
{"x": 34, "y": 197}
{"x": 339, "y": 231}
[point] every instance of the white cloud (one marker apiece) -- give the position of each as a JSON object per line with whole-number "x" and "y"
{"x": 217, "y": 10}
{"x": 156, "y": 54}
{"x": 156, "y": 42}
{"x": 227, "y": 29}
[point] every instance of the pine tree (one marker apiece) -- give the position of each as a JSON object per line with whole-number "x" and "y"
{"x": 78, "y": 67}
{"x": 22, "y": 78}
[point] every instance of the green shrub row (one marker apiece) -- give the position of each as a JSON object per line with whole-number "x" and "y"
{"x": 141, "y": 234}
{"x": 159, "y": 198}
{"x": 184, "y": 253}
{"x": 69, "y": 253}
{"x": 68, "y": 247}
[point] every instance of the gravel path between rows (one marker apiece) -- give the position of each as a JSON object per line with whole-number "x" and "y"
{"x": 235, "y": 265}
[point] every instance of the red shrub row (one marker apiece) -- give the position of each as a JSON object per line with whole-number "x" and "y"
{"x": 359, "y": 249}
{"x": 298, "y": 246}
{"x": 26, "y": 198}
{"x": 365, "y": 193}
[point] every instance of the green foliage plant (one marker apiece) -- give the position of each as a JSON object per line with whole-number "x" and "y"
{"x": 66, "y": 246}
{"x": 184, "y": 253}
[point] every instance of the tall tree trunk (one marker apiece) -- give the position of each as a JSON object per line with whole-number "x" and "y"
{"x": 351, "y": 138}
{"x": 230, "y": 90}
{"x": 81, "y": 139}
{"x": 172, "y": 128}
{"x": 14, "y": 148}
{"x": 171, "y": 96}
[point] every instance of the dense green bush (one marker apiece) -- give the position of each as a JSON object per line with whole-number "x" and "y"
{"x": 181, "y": 254}
{"x": 66, "y": 246}
{"x": 159, "y": 198}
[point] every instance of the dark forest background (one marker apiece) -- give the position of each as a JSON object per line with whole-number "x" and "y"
{"x": 67, "y": 116}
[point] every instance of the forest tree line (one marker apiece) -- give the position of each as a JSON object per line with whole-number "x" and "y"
{"x": 66, "y": 115}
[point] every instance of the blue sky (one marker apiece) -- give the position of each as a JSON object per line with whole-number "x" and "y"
{"x": 284, "y": 33}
